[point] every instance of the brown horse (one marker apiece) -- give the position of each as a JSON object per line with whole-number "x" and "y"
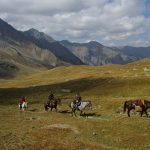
{"x": 52, "y": 104}
{"x": 145, "y": 107}
{"x": 131, "y": 104}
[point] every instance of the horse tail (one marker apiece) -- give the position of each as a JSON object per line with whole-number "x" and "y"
{"x": 90, "y": 105}
{"x": 125, "y": 106}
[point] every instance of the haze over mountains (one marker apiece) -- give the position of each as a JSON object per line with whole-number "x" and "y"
{"x": 93, "y": 53}
{"x": 33, "y": 50}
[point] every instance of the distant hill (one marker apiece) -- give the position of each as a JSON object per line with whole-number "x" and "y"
{"x": 94, "y": 53}
{"x": 73, "y": 74}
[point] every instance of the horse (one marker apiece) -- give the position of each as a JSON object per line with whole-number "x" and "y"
{"x": 131, "y": 104}
{"x": 81, "y": 107}
{"x": 23, "y": 106}
{"x": 52, "y": 104}
{"x": 145, "y": 107}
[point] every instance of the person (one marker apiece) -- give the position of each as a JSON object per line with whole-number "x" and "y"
{"x": 50, "y": 98}
{"x": 21, "y": 101}
{"x": 78, "y": 99}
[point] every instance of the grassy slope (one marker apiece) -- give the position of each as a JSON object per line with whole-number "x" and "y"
{"x": 108, "y": 87}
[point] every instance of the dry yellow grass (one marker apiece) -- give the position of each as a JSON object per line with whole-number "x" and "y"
{"x": 106, "y": 128}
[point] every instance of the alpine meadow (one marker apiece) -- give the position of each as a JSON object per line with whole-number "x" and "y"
{"x": 90, "y": 94}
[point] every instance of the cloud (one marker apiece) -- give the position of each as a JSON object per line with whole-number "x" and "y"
{"x": 107, "y": 21}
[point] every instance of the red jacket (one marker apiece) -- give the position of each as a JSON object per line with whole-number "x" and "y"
{"x": 22, "y": 100}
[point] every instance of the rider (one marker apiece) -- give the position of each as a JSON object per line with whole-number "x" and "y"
{"x": 21, "y": 101}
{"x": 78, "y": 99}
{"x": 50, "y": 98}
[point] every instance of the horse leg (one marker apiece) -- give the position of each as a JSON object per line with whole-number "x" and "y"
{"x": 146, "y": 112}
{"x": 46, "y": 109}
{"x": 142, "y": 112}
{"x": 20, "y": 106}
{"x": 81, "y": 113}
{"x": 129, "y": 112}
{"x": 74, "y": 111}
{"x": 56, "y": 109}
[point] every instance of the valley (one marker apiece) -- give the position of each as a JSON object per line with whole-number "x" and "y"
{"x": 106, "y": 127}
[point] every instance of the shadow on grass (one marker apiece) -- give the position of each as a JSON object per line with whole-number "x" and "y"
{"x": 102, "y": 86}
{"x": 65, "y": 111}
{"x": 39, "y": 93}
{"x": 91, "y": 115}
{"x": 33, "y": 109}
{"x": 86, "y": 115}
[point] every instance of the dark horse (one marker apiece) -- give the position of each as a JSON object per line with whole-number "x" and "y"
{"x": 52, "y": 104}
{"x": 131, "y": 104}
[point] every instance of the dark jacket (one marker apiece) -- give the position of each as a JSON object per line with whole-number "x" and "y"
{"x": 51, "y": 97}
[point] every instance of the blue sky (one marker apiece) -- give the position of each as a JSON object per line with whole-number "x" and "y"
{"x": 110, "y": 22}
{"x": 147, "y": 8}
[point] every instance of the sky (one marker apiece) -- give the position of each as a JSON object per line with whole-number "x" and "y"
{"x": 110, "y": 22}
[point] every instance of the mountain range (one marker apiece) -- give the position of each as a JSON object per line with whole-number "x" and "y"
{"x": 29, "y": 51}
{"x": 94, "y": 53}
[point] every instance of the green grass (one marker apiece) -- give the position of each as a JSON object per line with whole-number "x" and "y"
{"x": 107, "y": 87}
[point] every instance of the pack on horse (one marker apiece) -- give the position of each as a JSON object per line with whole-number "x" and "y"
{"x": 80, "y": 107}
{"x": 131, "y": 104}
{"x": 52, "y": 104}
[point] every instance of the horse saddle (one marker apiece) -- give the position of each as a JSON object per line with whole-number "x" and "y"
{"x": 78, "y": 103}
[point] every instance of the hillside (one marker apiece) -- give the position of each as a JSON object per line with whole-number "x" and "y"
{"x": 46, "y": 42}
{"x": 106, "y": 126}
{"x": 20, "y": 55}
{"x": 138, "y": 69}
{"x": 26, "y": 58}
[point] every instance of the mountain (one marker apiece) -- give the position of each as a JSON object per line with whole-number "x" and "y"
{"x": 94, "y": 53}
{"x": 138, "y": 52}
{"x": 18, "y": 54}
{"x": 46, "y": 42}
{"x": 31, "y": 51}
{"x": 8, "y": 33}
{"x": 7, "y": 70}
{"x": 36, "y": 35}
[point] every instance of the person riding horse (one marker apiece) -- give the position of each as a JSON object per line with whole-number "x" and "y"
{"x": 77, "y": 100}
{"x": 50, "y": 98}
{"x": 21, "y": 101}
